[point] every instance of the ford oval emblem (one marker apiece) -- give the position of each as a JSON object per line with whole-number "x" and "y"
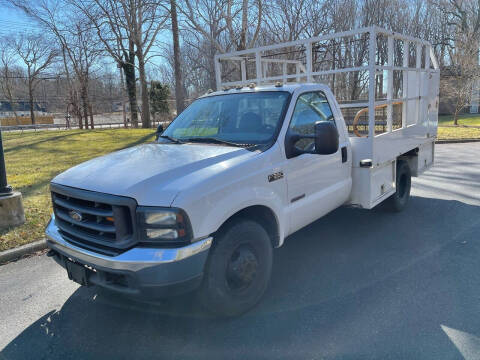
{"x": 75, "y": 215}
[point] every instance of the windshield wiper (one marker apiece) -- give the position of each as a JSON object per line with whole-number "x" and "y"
{"x": 172, "y": 139}
{"x": 215, "y": 141}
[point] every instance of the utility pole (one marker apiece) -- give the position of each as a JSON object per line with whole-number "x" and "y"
{"x": 11, "y": 207}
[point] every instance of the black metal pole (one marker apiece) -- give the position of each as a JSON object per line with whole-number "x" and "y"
{"x": 5, "y": 189}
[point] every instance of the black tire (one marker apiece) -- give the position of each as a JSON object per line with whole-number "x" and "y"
{"x": 398, "y": 201}
{"x": 238, "y": 269}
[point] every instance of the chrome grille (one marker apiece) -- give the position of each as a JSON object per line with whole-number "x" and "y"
{"x": 95, "y": 221}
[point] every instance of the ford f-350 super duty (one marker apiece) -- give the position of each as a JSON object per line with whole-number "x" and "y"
{"x": 203, "y": 207}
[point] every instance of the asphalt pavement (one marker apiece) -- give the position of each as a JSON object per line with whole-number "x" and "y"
{"x": 356, "y": 284}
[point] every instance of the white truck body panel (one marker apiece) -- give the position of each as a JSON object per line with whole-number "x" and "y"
{"x": 152, "y": 174}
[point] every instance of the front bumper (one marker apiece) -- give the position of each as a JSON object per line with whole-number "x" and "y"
{"x": 140, "y": 271}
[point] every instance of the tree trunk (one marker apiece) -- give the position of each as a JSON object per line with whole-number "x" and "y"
{"x": 67, "y": 117}
{"x": 78, "y": 114}
{"x": 124, "y": 113}
{"x": 124, "y": 92}
{"x": 91, "y": 116}
{"x": 132, "y": 92}
{"x": 130, "y": 83}
{"x": 79, "y": 117}
{"x": 243, "y": 33}
{"x": 143, "y": 84}
{"x": 8, "y": 90}
{"x": 12, "y": 105}
{"x": 211, "y": 69}
{"x": 84, "y": 96}
{"x": 179, "y": 98}
{"x": 76, "y": 108}
{"x": 138, "y": 33}
{"x": 30, "y": 98}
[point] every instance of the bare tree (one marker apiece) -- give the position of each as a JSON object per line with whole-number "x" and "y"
{"x": 458, "y": 83}
{"x": 128, "y": 32}
{"x": 7, "y": 59}
{"x": 74, "y": 33}
{"x": 36, "y": 52}
{"x": 463, "y": 73}
{"x": 288, "y": 20}
{"x": 147, "y": 20}
{"x": 179, "y": 98}
{"x": 220, "y": 26}
{"x": 79, "y": 45}
{"x": 132, "y": 30}
{"x": 72, "y": 102}
{"x": 231, "y": 18}
{"x": 109, "y": 17}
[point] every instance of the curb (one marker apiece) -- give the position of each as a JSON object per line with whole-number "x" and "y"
{"x": 21, "y": 251}
{"x": 456, "y": 141}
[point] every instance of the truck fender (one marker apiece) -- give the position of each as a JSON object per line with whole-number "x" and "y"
{"x": 207, "y": 215}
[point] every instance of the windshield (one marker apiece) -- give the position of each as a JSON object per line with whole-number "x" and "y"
{"x": 235, "y": 119}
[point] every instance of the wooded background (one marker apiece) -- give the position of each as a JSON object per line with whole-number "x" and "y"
{"x": 151, "y": 57}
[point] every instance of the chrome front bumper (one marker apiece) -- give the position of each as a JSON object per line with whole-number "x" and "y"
{"x": 145, "y": 268}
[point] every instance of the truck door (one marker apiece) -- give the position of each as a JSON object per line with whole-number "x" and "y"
{"x": 316, "y": 183}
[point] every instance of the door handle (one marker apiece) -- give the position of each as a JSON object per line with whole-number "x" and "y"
{"x": 344, "y": 154}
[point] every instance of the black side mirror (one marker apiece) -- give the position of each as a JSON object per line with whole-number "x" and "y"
{"x": 159, "y": 131}
{"x": 326, "y": 138}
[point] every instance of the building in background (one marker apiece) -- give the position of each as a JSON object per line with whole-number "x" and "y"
{"x": 22, "y": 108}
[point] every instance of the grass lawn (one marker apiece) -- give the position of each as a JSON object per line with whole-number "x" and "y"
{"x": 449, "y": 133}
{"x": 465, "y": 119}
{"x": 34, "y": 158}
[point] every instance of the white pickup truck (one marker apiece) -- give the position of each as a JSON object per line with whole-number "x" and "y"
{"x": 242, "y": 168}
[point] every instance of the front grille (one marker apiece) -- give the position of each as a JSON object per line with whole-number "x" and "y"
{"x": 95, "y": 221}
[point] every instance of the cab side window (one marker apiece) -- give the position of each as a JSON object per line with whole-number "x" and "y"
{"x": 310, "y": 108}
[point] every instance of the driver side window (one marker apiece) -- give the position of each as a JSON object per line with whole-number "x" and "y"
{"x": 310, "y": 108}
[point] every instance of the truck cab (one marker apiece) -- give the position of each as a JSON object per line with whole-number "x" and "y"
{"x": 203, "y": 207}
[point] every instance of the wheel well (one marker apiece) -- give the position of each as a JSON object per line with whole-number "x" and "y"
{"x": 413, "y": 152}
{"x": 262, "y": 215}
{"x": 410, "y": 157}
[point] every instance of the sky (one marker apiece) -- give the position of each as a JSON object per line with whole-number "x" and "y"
{"x": 12, "y": 20}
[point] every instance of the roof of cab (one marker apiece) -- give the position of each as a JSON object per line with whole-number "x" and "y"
{"x": 246, "y": 89}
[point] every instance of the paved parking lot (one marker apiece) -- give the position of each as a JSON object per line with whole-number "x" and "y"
{"x": 356, "y": 284}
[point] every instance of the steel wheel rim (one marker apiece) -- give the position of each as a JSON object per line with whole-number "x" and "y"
{"x": 242, "y": 268}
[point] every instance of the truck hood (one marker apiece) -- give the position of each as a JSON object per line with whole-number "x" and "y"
{"x": 153, "y": 174}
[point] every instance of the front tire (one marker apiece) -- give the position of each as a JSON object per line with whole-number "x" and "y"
{"x": 398, "y": 201}
{"x": 238, "y": 269}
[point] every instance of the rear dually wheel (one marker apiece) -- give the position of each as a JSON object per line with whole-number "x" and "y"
{"x": 399, "y": 200}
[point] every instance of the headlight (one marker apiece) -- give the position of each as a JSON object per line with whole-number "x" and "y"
{"x": 162, "y": 233}
{"x": 160, "y": 218}
{"x": 163, "y": 225}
